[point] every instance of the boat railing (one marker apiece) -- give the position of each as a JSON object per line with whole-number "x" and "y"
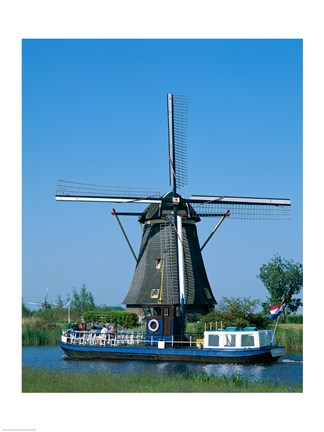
{"x": 217, "y": 325}
{"x": 78, "y": 337}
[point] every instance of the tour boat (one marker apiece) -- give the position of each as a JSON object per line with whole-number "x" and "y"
{"x": 248, "y": 345}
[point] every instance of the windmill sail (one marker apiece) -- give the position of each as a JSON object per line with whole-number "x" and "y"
{"x": 73, "y": 191}
{"x": 241, "y": 207}
{"x": 177, "y": 127}
{"x": 45, "y": 304}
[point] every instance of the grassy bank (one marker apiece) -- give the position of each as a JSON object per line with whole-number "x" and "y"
{"x": 42, "y": 381}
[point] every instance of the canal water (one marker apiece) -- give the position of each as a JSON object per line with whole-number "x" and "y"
{"x": 287, "y": 370}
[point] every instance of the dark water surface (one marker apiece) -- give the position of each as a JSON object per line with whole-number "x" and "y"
{"x": 288, "y": 369}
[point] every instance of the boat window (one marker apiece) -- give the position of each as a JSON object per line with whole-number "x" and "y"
{"x": 147, "y": 311}
{"x": 265, "y": 337}
{"x": 152, "y": 311}
{"x": 166, "y": 311}
{"x": 247, "y": 340}
{"x": 229, "y": 340}
{"x": 213, "y": 340}
{"x": 157, "y": 311}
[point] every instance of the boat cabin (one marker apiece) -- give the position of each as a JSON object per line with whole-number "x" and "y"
{"x": 162, "y": 322}
{"x": 233, "y": 338}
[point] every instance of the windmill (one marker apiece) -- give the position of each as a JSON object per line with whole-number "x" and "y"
{"x": 170, "y": 280}
{"x": 45, "y": 305}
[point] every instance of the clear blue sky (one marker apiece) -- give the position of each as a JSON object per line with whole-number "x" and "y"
{"x": 94, "y": 111}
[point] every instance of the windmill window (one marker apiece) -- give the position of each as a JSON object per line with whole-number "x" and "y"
{"x": 207, "y": 292}
{"x": 155, "y": 293}
{"x": 158, "y": 263}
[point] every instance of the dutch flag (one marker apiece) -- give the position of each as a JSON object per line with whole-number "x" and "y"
{"x": 275, "y": 311}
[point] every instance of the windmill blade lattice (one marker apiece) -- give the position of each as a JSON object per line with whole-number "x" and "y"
{"x": 73, "y": 191}
{"x": 242, "y": 208}
{"x": 178, "y": 126}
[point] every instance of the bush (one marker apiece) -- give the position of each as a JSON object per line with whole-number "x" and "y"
{"x": 235, "y": 312}
{"x": 123, "y": 318}
{"x": 294, "y": 319}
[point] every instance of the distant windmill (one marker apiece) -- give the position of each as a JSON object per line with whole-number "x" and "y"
{"x": 45, "y": 305}
{"x": 170, "y": 280}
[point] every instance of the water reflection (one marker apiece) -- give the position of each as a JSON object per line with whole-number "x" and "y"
{"x": 289, "y": 369}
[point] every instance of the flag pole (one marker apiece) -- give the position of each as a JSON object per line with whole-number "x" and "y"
{"x": 69, "y": 318}
{"x": 281, "y": 306}
{"x": 68, "y": 308}
{"x": 274, "y": 331}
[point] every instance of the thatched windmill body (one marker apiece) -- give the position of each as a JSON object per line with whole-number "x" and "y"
{"x": 170, "y": 280}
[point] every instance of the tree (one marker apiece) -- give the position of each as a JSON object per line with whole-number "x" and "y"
{"x": 235, "y": 312}
{"x": 59, "y": 302}
{"x": 25, "y": 310}
{"x": 284, "y": 280}
{"x": 83, "y": 300}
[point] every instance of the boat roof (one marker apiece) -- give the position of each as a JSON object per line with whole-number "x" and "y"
{"x": 236, "y": 329}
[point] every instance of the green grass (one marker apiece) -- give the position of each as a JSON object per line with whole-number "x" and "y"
{"x": 44, "y": 381}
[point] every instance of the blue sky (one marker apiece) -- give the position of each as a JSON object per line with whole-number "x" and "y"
{"x": 94, "y": 111}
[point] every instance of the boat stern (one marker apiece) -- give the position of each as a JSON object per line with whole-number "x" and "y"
{"x": 277, "y": 351}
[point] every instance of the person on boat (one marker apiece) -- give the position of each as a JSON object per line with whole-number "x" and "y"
{"x": 75, "y": 329}
{"x": 112, "y": 330}
{"x": 104, "y": 332}
{"x": 98, "y": 326}
{"x": 67, "y": 334}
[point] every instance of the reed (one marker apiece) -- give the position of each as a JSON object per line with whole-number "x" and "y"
{"x": 45, "y": 381}
{"x": 290, "y": 336}
{"x": 37, "y": 337}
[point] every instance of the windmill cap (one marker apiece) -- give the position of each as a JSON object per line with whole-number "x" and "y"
{"x": 165, "y": 208}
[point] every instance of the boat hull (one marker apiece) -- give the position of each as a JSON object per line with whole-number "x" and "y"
{"x": 172, "y": 354}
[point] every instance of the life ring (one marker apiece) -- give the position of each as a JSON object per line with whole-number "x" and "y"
{"x": 157, "y": 325}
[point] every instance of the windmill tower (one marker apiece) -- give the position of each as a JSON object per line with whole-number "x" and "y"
{"x": 170, "y": 280}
